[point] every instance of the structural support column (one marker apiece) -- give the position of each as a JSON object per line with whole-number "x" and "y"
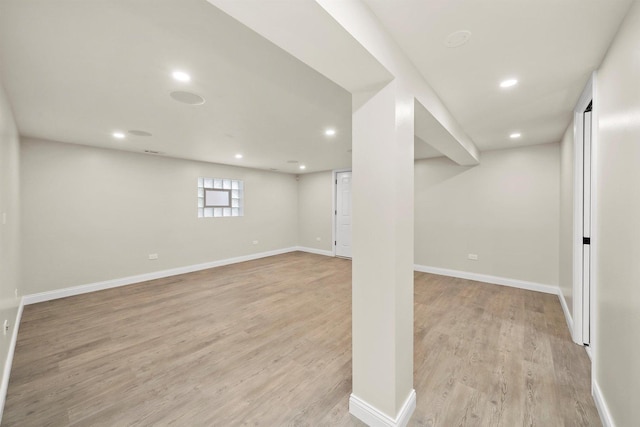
{"x": 382, "y": 188}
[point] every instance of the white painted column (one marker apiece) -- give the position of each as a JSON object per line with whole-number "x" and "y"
{"x": 383, "y": 256}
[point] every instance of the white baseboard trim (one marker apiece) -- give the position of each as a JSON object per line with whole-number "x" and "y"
{"x": 314, "y": 251}
{"x": 375, "y": 418}
{"x": 565, "y": 309}
{"x": 114, "y": 283}
{"x": 495, "y": 280}
{"x": 601, "y": 404}
{"x": 7, "y": 364}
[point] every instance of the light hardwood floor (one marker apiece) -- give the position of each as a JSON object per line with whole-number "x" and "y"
{"x": 268, "y": 342}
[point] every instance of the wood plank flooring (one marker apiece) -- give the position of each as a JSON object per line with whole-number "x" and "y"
{"x": 268, "y": 342}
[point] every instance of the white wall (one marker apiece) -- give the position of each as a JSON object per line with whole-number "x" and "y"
{"x": 92, "y": 214}
{"x": 315, "y": 210}
{"x": 566, "y": 218}
{"x": 9, "y": 231}
{"x": 617, "y": 210}
{"x": 505, "y": 210}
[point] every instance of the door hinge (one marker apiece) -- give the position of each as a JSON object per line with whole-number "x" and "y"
{"x": 336, "y": 181}
{"x": 335, "y": 242}
{"x": 335, "y": 212}
{"x": 586, "y": 240}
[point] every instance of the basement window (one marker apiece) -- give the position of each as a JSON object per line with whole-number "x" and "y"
{"x": 219, "y": 197}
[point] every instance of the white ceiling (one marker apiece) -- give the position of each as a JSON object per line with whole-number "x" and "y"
{"x": 550, "y": 46}
{"x": 78, "y": 71}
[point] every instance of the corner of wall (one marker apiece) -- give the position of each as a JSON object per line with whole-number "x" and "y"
{"x": 10, "y": 234}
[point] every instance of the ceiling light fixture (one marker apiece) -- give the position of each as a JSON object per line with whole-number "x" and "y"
{"x": 181, "y": 76}
{"x": 303, "y": 167}
{"x": 330, "y": 132}
{"x": 139, "y": 132}
{"x": 118, "y": 135}
{"x": 238, "y": 156}
{"x": 508, "y": 83}
{"x": 515, "y": 135}
{"x": 457, "y": 39}
{"x": 187, "y": 97}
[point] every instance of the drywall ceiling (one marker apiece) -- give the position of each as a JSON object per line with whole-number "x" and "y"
{"x": 77, "y": 71}
{"x": 550, "y": 46}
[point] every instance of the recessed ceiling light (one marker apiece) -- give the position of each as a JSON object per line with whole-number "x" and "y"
{"x": 457, "y": 38}
{"x": 515, "y": 135}
{"x": 303, "y": 167}
{"x": 181, "y": 76}
{"x": 139, "y": 132}
{"x": 118, "y": 135}
{"x": 330, "y": 132}
{"x": 508, "y": 83}
{"x": 238, "y": 156}
{"x": 187, "y": 97}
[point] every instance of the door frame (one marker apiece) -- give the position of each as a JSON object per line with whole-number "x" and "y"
{"x": 588, "y": 95}
{"x": 334, "y": 203}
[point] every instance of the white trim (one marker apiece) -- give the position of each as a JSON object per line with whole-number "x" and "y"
{"x": 315, "y": 251}
{"x": 514, "y": 283}
{"x": 586, "y": 97}
{"x": 334, "y": 178}
{"x": 373, "y": 417}
{"x": 594, "y": 225}
{"x": 601, "y": 405}
{"x": 9, "y": 361}
{"x": 114, "y": 283}
{"x": 565, "y": 309}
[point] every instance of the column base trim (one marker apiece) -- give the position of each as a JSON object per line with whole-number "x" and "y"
{"x": 373, "y": 417}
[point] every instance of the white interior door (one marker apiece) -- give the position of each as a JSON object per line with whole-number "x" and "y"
{"x": 343, "y": 214}
{"x": 586, "y": 229}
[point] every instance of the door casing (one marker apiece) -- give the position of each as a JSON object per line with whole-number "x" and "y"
{"x": 589, "y": 94}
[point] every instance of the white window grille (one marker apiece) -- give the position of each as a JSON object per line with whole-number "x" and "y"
{"x": 218, "y": 197}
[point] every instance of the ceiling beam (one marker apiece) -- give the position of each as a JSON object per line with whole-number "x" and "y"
{"x": 306, "y": 31}
{"x": 344, "y": 41}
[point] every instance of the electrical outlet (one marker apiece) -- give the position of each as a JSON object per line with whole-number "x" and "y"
{"x": 318, "y": 239}
{"x": 4, "y": 218}
{"x": 473, "y": 256}
{"x": 153, "y": 256}
{"x": 255, "y": 242}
